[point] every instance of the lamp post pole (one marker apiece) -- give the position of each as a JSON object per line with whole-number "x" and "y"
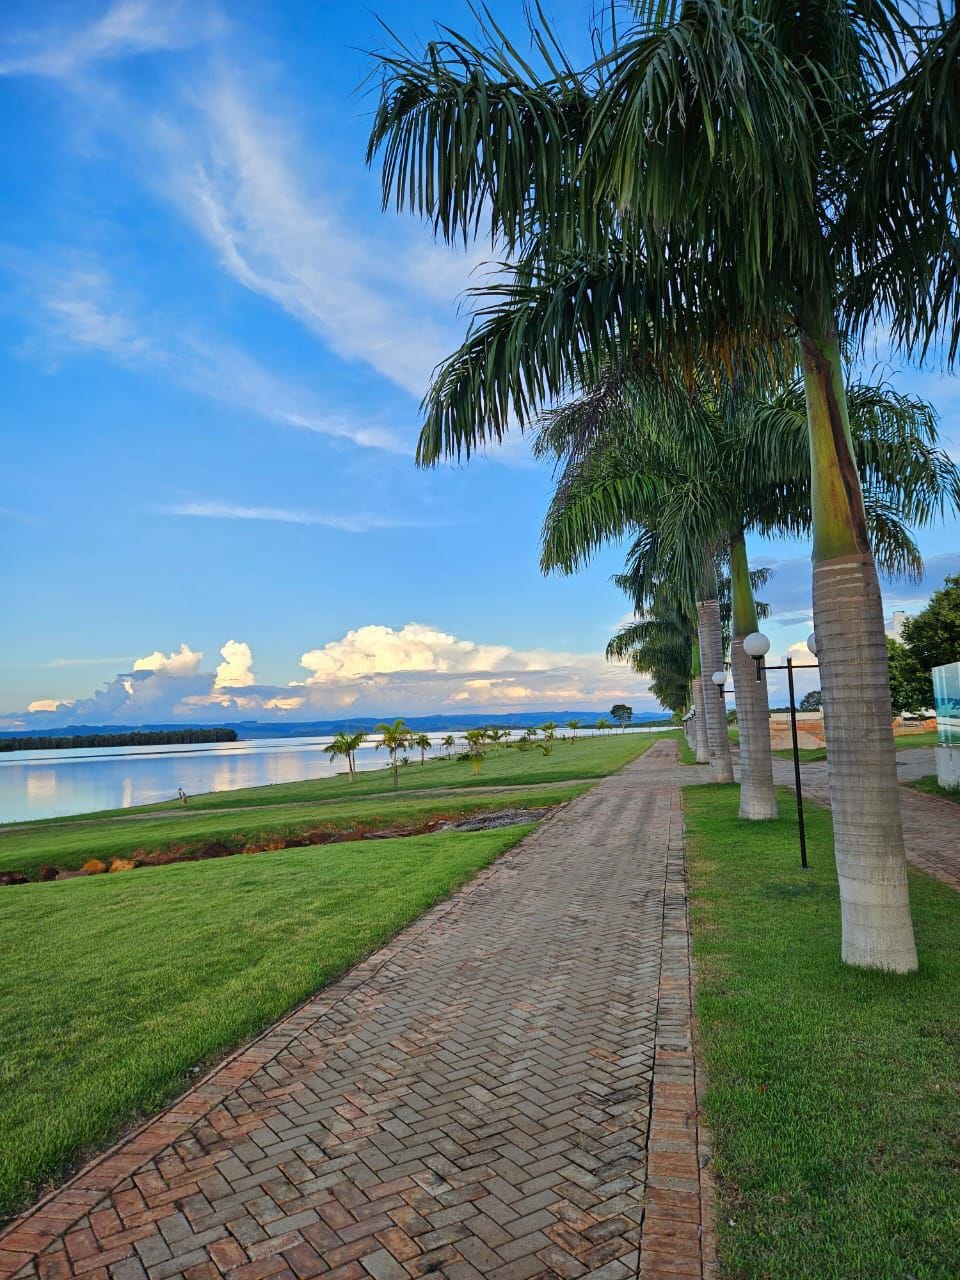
{"x": 756, "y": 646}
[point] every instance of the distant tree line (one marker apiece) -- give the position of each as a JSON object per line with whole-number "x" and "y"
{"x": 155, "y": 738}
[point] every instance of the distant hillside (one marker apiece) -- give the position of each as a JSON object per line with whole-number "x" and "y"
{"x": 246, "y": 729}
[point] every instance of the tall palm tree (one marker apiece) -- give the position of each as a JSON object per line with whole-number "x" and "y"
{"x": 574, "y": 725}
{"x": 421, "y": 740}
{"x": 696, "y": 472}
{"x": 395, "y": 737}
{"x": 448, "y": 744}
{"x": 734, "y": 178}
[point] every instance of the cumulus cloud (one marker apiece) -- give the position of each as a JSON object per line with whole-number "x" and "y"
{"x": 374, "y": 670}
{"x": 374, "y": 649}
{"x": 182, "y": 663}
{"x": 236, "y": 669}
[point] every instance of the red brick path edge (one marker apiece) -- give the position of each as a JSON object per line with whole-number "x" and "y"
{"x": 507, "y": 1089}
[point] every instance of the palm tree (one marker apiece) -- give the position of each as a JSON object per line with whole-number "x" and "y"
{"x": 602, "y": 725}
{"x": 421, "y": 740}
{"x": 448, "y": 744}
{"x": 475, "y": 739}
{"x": 732, "y": 178}
{"x": 549, "y": 730}
{"x": 340, "y": 746}
{"x": 395, "y": 737}
{"x": 574, "y": 725}
{"x": 694, "y": 473}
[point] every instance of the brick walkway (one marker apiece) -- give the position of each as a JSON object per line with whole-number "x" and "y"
{"x": 931, "y": 825}
{"x": 506, "y": 1090}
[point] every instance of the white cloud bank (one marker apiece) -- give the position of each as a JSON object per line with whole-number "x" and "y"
{"x": 416, "y": 669}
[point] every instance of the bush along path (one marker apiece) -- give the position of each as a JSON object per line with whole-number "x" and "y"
{"x": 507, "y": 1089}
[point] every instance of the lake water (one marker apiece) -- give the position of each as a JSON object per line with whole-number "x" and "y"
{"x": 50, "y": 784}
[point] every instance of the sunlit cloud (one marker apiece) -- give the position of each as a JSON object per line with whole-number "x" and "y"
{"x": 415, "y": 669}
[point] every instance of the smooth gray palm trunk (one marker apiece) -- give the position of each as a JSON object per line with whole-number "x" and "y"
{"x": 758, "y": 801}
{"x": 862, "y": 765}
{"x": 877, "y": 931}
{"x": 700, "y": 722}
{"x": 711, "y": 650}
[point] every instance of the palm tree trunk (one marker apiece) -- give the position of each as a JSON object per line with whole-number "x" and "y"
{"x": 854, "y": 677}
{"x": 700, "y": 708}
{"x": 758, "y": 801}
{"x": 711, "y": 655}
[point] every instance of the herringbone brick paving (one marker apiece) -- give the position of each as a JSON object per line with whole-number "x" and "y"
{"x": 473, "y": 1100}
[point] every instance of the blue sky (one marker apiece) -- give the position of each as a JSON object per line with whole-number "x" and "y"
{"x": 213, "y": 347}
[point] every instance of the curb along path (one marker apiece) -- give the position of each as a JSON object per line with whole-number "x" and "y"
{"x": 507, "y": 1089}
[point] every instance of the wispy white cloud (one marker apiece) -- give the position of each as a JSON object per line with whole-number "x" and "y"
{"x": 85, "y": 662}
{"x": 359, "y": 523}
{"x": 119, "y": 30}
{"x": 80, "y": 307}
{"x": 237, "y": 179}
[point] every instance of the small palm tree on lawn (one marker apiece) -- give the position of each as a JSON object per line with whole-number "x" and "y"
{"x": 549, "y": 730}
{"x": 475, "y": 739}
{"x": 573, "y": 726}
{"x": 395, "y": 737}
{"x": 448, "y": 744}
{"x": 346, "y": 744}
{"x": 340, "y": 746}
{"x": 422, "y": 740}
{"x": 602, "y": 725}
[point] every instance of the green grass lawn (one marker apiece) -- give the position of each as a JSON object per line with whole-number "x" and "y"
{"x": 69, "y": 845}
{"x": 508, "y": 766}
{"x": 113, "y": 988}
{"x": 832, "y": 1093}
{"x": 931, "y": 787}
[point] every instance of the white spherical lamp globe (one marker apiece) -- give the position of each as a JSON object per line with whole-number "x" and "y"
{"x": 756, "y": 644}
{"x": 719, "y": 678}
{"x": 812, "y": 643}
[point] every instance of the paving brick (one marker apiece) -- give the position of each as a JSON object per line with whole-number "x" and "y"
{"x": 473, "y": 1100}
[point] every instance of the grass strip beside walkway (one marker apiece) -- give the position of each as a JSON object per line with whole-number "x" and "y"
{"x": 931, "y": 787}
{"x": 33, "y": 845}
{"x": 832, "y": 1093}
{"x": 114, "y": 989}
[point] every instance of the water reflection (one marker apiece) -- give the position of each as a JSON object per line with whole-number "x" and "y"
{"x": 46, "y": 784}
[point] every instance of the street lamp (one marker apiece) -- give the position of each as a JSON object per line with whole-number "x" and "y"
{"x": 757, "y": 645}
{"x": 719, "y": 678}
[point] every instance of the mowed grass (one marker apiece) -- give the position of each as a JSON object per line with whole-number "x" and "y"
{"x": 114, "y": 988}
{"x": 68, "y": 846}
{"x": 833, "y": 1094}
{"x": 506, "y": 766}
{"x": 931, "y": 787}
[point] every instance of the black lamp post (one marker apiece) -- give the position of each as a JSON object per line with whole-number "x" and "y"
{"x": 757, "y": 646}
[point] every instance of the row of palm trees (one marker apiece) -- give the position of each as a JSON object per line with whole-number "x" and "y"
{"x": 398, "y": 738}
{"x": 711, "y": 215}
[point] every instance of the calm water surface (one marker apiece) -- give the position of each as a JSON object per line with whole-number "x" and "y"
{"x": 50, "y": 784}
